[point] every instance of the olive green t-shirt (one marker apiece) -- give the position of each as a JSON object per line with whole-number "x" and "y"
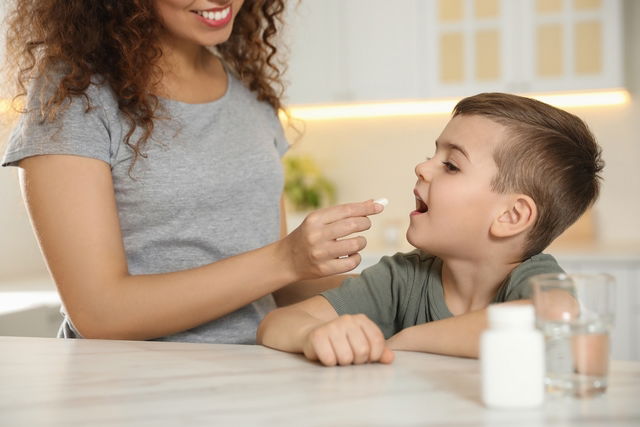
{"x": 405, "y": 289}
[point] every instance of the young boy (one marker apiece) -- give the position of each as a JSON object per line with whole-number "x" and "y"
{"x": 509, "y": 174}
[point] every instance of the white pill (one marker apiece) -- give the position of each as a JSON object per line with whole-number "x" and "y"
{"x": 382, "y": 201}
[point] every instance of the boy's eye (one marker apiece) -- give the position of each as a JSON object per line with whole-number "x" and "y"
{"x": 450, "y": 167}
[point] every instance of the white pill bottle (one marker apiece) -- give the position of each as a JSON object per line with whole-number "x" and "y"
{"x": 512, "y": 358}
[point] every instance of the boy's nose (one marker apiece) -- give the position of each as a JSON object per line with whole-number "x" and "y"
{"x": 423, "y": 170}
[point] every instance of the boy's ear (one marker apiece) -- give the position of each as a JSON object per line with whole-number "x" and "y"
{"x": 519, "y": 216}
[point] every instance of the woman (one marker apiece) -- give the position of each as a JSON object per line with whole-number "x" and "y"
{"x": 149, "y": 159}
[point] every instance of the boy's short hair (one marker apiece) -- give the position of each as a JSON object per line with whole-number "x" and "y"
{"x": 550, "y": 155}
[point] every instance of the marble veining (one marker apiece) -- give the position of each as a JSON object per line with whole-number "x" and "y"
{"x": 52, "y": 382}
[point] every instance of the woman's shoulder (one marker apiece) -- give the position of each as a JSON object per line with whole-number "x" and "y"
{"x": 46, "y": 87}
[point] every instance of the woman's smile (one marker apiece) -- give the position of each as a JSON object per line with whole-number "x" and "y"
{"x": 215, "y": 17}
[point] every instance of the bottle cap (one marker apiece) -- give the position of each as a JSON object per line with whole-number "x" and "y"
{"x": 511, "y": 316}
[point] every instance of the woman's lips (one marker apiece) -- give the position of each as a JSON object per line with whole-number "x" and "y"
{"x": 217, "y": 17}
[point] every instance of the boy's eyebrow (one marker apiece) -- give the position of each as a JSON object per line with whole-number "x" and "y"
{"x": 452, "y": 146}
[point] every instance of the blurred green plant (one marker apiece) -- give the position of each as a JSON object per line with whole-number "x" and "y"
{"x": 305, "y": 187}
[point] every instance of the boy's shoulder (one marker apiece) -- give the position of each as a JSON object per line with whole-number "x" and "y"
{"x": 517, "y": 285}
{"x": 415, "y": 258}
{"x": 539, "y": 264}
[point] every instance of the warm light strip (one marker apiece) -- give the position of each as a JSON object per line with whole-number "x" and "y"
{"x": 444, "y": 106}
{"x": 585, "y": 99}
{"x": 5, "y": 106}
{"x": 386, "y": 109}
{"x": 432, "y": 107}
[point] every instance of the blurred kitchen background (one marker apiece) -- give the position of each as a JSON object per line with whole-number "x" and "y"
{"x": 371, "y": 84}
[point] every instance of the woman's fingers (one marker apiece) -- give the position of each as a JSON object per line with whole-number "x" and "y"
{"x": 344, "y": 247}
{"x": 320, "y": 247}
{"x": 346, "y": 226}
{"x": 347, "y": 210}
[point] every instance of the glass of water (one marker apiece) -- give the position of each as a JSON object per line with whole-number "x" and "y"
{"x": 575, "y": 312}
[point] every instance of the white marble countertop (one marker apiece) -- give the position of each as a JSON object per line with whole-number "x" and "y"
{"x": 53, "y": 382}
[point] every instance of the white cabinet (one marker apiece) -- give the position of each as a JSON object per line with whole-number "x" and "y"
{"x": 571, "y": 44}
{"x": 471, "y": 45}
{"x": 523, "y": 45}
{"x": 314, "y": 34}
{"x": 354, "y": 50}
{"x": 366, "y": 50}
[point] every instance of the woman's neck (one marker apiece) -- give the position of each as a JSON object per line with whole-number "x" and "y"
{"x": 190, "y": 73}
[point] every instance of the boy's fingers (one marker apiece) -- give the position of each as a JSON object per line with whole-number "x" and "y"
{"x": 342, "y": 349}
{"x": 359, "y": 345}
{"x": 347, "y": 210}
{"x": 323, "y": 351}
{"x": 387, "y": 356}
{"x": 376, "y": 340}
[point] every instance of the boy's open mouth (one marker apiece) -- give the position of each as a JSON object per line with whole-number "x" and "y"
{"x": 421, "y": 206}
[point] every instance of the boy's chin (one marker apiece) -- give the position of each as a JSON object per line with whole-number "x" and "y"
{"x": 414, "y": 240}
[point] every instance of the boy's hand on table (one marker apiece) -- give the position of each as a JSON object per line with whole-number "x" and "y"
{"x": 349, "y": 339}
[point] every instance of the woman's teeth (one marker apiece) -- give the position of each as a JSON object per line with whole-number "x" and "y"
{"x": 214, "y": 16}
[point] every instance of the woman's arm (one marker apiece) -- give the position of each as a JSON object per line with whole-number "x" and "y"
{"x": 455, "y": 336}
{"x": 73, "y": 210}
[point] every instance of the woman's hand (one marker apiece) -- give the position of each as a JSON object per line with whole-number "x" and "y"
{"x": 349, "y": 339}
{"x": 317, "y": 248}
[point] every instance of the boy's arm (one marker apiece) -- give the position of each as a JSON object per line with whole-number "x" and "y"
{"x": 314, "y": 328}
{"x": 286, "y": 328}
{"x": 455, "y": 336}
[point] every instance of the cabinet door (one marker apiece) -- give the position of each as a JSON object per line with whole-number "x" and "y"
{"x": 571, "y": 44}
{"x": 355, "y": 50}
{"x": 314, "y": 36}
{"x": 470, "y": 46}
{"x": 383, "y": 60}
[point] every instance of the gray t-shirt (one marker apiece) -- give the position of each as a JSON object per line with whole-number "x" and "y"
{"x": 405, "y": 290}
{"x": 209, "y": 187}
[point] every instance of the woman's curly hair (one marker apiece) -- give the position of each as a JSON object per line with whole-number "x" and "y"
{"x": 117, "y": 41}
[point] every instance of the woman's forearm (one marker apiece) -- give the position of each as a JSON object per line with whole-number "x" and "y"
{"x": 300, "y": 291}
{"x": 149, "y": 306}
